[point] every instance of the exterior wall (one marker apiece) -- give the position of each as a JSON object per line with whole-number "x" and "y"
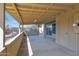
{"x": 65, "y": 34}
{"x": 77, "y": 32}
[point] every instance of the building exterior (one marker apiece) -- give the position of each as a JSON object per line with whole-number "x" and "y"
{"x": 55, "y": 24}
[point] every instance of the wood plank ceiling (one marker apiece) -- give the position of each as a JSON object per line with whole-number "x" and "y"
{"x": 29, "y": 13}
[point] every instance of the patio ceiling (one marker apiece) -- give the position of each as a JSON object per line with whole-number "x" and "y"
{"x": 29, "y": 13}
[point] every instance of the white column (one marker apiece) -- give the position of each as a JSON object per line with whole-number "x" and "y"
{"x": 1, "y": 40}
{"x": 1, "y": 27}
{"x": 19, "y": 30}
{"x": 41, "y": 29}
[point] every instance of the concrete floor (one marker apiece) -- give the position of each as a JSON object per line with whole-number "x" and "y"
{"x": 42, "y": 46}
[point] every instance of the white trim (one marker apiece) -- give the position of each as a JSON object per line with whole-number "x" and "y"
{"x": 12, "y": 39}
{"x": 1, "y": 40}
{"x": 29, "y": 47}
{"x": 2, "y": 49}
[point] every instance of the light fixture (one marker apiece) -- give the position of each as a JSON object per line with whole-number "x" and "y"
{"x": 35, "y": 20}
{"x": 76, "y": 23}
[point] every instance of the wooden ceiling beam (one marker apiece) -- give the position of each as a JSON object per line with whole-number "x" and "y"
{"x": 41, "y": 12}
{"x": 33, "y": 13}
{"x": 34, "y": 10}
{"x": 40, "y": 20}
{"x": 23, "y": 13}
{"x": 75, "y": 10}
{"x": 48, "y": 19}
{"x": 51, "y": 21}
{"x": 42, "y": 6}
{"x": 53, "y": 13}
{"x": 17, "y": 12}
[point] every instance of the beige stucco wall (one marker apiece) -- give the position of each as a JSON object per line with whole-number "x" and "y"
{"x": 77, "y": 32}
{"x": 64, "y": 30}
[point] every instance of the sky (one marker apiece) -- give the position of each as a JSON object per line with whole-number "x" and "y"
{"x": 10, "y": 20}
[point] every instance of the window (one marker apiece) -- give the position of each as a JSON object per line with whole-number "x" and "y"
{"x": 50, "y": 29}
{"x": 11, "y": 27}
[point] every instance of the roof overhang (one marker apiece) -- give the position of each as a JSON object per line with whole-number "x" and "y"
{"x": 28, "y": 13}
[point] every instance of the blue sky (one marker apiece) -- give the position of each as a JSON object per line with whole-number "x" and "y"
{"x": 10, "y": 20}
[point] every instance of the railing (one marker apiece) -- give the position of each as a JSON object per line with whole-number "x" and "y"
{"x": 13, "y": 45}
{"x": 29, "y": 47}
